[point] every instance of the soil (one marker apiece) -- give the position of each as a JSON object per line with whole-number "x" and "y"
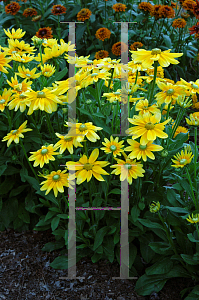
{"x": 25, "y": 273}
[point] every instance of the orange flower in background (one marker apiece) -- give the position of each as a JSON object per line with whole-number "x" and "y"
{"x": 119, "y": 7}
{"x": 84, "y": 14}
{"x": 29, "y": 12}
{"x": 103, "y": 33}
{"x": 185, "y": 15}
{"x": 58, "y": 9}
{"x": 189, "y": 5}
{"x": 44, "y": 33}
{"x": 136, "y": 45}
{"x": 146, "y": 6}
{"x": 37, "y": 18}
{"x": 156, "y": 11}
{"x": 119, "y": 47}
{"x": 12, "y": 8}
{"x": 167, "y": 11}
{"x": 179, "y": 23}
{"x": 173, "y": 4}
{"x": 196, "y": 10}
{"x": 194, "y": 29}
{"x": 101, "y": 54}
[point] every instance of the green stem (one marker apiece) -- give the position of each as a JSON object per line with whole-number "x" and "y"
{"x": 154, "y": 80}
{"x": 136, "y": 78}
{"x": 40, "y": 136}
{"x": 85, "y": 148}
{"x": 22, "y": 146}
{"x": 98, "y": 96}
{"x": 109, "y": 179}
{"x": 197, "y": 229}
{"x": 109, "y": 84}
{"x": 40, "y": 51}
{"x": 50, "y": 128}
{"x": 168, "y": 111}
{"x": 177, "y": 122}
{"x": 90, "y": 35}
{"x": 191, "y": 186}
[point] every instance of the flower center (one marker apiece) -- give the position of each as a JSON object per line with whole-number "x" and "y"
{"x": 155, "y": 51}
{"x": 194, "y": 219}
{"x": 149, "y": 126}
{"x": 94, "y": 74}
{"x": 13, "y": 52}
{"x": 113, "y": 147}
{"x": 68, "y": 139}
{"x": 88, "y": 166}
{"x": 14, "y": 131}
{"x": 41, "y": 95}
{"x": 18, "y": 87}
{"x": 28, "y": 75}
{"x": 195, "y": 86}
{"x": 143, "y": 147}
{"x": 44, "y": 151}
{"x": 170, "y": 92}
{"x": 117, "y": 93}
{"x": 22, "y": 96}
{"x": 183, "y": 161}
{"x": 22, "y": 59}
{"x": 145, "y": 107}
{"x": 127, "y": 166}
{"x": 2, "y": 101}
{"x": 56, "y": 177}
{"x": 83, "y": 127}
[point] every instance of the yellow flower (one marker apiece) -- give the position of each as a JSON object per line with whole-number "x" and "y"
{"x": 154, "y": 207}
{"x": 56, "y": 180}
{"x": 66, "y": 142}
{"x": 183, "y": 159}
{"x": 14, "y": 135}
{"x": 4, "y": 98}
{"x": 26, "y": 73}
{"x": 18, "y": 34}
{"x": 19, "y": 47}
{"x": 18, "y": 101}
{"x": 128, "y": 169}
{"x": 44, "y": 100}
{"x": 193, "y": 87}
{"x": 22, "y": 58}
{"x": 160, "y": 71}
{"x": 143, "y": 106}
{"x": 19, "y": 87}
{"x": 81, "y": 130}
{"x": 113, "y": 146}
{"x": 193, "y": 120}
{"x": 142, "y": 151}
{"x": 148, "y": 57}
{"x": 4, "y": 62}
{"x": 194, "y": 218}
{"x": 86, "y": 167}
{"x": 47, "y": 70}
{"x": 111, "y": 97}
{"x": 43, "y": 155}
{"x": 136, "y": 66}
{"x": 181, "y": 129}
{"x": 169, "y": 92}
{"x": 184, "y": 101}
{"x": 148, "y": 127}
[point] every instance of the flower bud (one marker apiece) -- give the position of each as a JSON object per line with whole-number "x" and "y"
{"x": 164, "y": 153}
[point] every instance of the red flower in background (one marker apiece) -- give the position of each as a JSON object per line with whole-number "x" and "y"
{"x": 194, "y": 28}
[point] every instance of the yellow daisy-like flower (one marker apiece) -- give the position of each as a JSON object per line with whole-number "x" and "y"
{"x": 181, "y": 129}
{"x": 44, "y": 100}
{"x": 128, "y": 169}
{"x": 194, "y": 218}
{"x": 193, "y": 87}
{"x": 19, "y": 47}
{"x": 88, "y": 167}
{"x": 4, "y": 98}
{"x": 47, "y": 70}
{"x": 169, "y": 92}
{"x": 19, "y": 87}
{"x": 154, "y": 207}
{"x": 26, "y": 73}
{"x": 81, "y": 130}
{"x": 148, "y": 127}
{"x": 4, "y": 62}
{"x": 143, "y": 107}
{"x": 43, "y": 155}
{"x": 193, "y": 120}
{"x": 183, "y": 158}
{"x": 18, "y": 101}
{"x": 148, "y": 57}
{"x": 56, "y": 180}
{"x": 66, "y": 142}
{"x": 111, "y": 97}
{"x": 22, "y": 58}
{"x": 160, "y": 71}
{"x": 113, "y": 146}
{"x": 15, "y": 134}
{"x": 136, "y": 66}
{"x": 142, "y": 151}
{"x": 18, "y": 34}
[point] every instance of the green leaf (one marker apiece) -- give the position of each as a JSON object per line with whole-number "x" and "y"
{"x": 9, "y": 211}
{"x": 96, "y": 257}
{"x": 33, "y": 182}
{"x": 168, "y": 42}
{"x": 150, "y": 224}
{"x": 160, "y": 267}
{"x": 2, "y": 169}
{"x": 161, "y": 248}
{"x": 148, "y": 284}
{"x": 63, "y": 216}
{"x": 17, "y": 223}
{"x": 49, "y": 215}
{"x": 178, "y": 209}
{"x": 58, "y": 76}
{"x": 191, "y": 238}
{"x": 171, "y": 196}
{"x": 190, "y": 259}
{"x": 115, "y": 191}
{"x": 23, "y": 214}
{"x": 6, "y": 186}
{"x": 108, "y": 246}
{"x": 135, "y": 212}
{"x": 55, "y": 223}
{"x": 60, "y": 262}
{"x": 132, "y": 254}
{"x": 51, "y": 246}
{"x": 99, "y": 237}
{"x": 23, "y": 174}
{"x": 17, "y": 191}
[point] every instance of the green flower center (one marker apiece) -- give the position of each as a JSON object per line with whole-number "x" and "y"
{"x": 44, "y": 151}
{"x": 149, "y": 126}
{"x": 145, "y": 107}
{"x": 170, "y": 92}
{"x": 83, "y": 127}
{"x": 117, "y": 93}
{"x": 28, "y": 75}
{"x": 113, "y": 147}
{"x": 88, "y": 166}
{"x": 22, "y": 96}
{"x": 183, "y": 161}
{"x": 22, "y": 59}
{"x": 94, "y": 74}
{"x": 68, "y": 139}
{"x": 195, "y": 220}
{"x": 2, "y": 101}
{"x": 195, "y": 86}
{"x": 56, "y": 177}
{"x": 14, "y": 131}
{"x": 41, "y": 95}
{"x": 127, "y": 166}
{"x": 13, "y": 52}
{"x": 143, "y": 147}
{"x": 155, "y": 51}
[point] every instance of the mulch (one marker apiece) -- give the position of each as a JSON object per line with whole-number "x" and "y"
{"x": 25, "y": 273}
